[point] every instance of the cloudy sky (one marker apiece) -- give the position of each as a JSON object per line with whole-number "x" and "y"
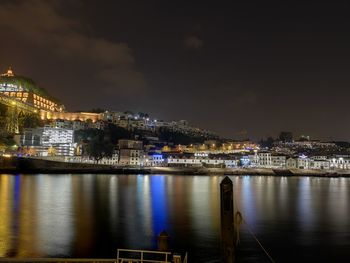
{"x": 236, "y": 69}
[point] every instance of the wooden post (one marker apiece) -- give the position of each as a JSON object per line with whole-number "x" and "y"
{"x": 163, "y": 241}
{"x": 227, "y": 223}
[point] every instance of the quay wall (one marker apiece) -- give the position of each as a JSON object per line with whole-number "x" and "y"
{"x": 16, "y": 165}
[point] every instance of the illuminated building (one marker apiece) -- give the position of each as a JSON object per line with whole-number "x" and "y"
{"x": 278, "y": 161}
{"x": 199, "y": 160}
{"x": 130, "y": 152}
{"x": 49, "y": 141}
{"x": 72, "y": 116}
{"x": 154, "y": 159}
{"x": 27, "y": 91}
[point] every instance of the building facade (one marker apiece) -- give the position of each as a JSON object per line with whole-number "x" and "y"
{"x": 131, "y": 152}
{"x": 48, "y": 141}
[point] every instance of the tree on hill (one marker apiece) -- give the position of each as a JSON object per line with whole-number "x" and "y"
{"x": 99, "y": 146}
{"x": 285, "y": 136}
{"x": 176, "y": 137}
{"x": 116, "y": 133}
{"x": 30, "y": 121}
{"x": 268, "y": 143}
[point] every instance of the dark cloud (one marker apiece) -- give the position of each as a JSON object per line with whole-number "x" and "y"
{"x": 245, "y": 99}
{"x": 193, "y": 42}
{"x": 42, "y": 25}
{"x": 255, "y": 67}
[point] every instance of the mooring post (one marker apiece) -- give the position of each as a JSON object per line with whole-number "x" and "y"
{"x": 163, "y": 239}
{"x": 227, "y": 223}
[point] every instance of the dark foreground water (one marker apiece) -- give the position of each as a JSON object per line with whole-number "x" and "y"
{"x": 296, "y": 219}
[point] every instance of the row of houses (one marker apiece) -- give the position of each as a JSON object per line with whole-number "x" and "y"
{"x": 270, "y": 160}
{"x": 53, "y": 141}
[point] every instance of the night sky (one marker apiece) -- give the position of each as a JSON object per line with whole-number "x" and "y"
{"x": 231, "y": 68}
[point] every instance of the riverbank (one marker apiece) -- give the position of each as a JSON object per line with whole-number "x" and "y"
{"x": 35, "y": 166}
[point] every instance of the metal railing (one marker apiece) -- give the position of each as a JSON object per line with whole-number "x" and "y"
{"x": 142, "y": 256}
{"x": 123, "y": 256}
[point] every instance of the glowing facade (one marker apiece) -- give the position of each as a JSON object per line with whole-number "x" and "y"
{"x": 27, "y": 92}
{"x": 48, "y": 141}
{"x": 72, "y": 116}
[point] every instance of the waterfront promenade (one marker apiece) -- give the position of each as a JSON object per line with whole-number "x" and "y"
{"x": 29, "y": 166}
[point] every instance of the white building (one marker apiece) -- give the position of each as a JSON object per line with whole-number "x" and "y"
{"x": 131, "y": 152}
{"x": 291, "y": 163}
{"x": 154, "y": 160}
{"x": 303, "y": 162}
{"x": 265, "y": 159}
{"x": 319, "y": 164}
{"x": 339, "y": 163}
{"x": 62, "y": 124}
{"x": 113, "y": 160}
{"x": 60, "y": 140}
{"x": 183, "y": 161}
{"x": 49, "y": 141}
{"x": 131, "y": 157}
{"x": 176, "y": 161}
{"x": 253, "y": 160}
{"x": 278, "y": 161}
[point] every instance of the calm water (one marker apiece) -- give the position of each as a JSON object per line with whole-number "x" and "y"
{"x": 297, "y": 219}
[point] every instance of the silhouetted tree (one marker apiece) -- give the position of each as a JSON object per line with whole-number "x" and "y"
{"x": 285, "y": 136}
{"x": 268, "y": 143}
{"x": 99, "y": 146}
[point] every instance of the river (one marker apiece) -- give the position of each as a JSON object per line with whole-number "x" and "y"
{"x": 297, "y": 219}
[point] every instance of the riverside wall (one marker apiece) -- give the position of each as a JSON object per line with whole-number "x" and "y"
{"x": 16, "y": 165}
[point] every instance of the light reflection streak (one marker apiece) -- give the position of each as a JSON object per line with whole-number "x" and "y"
{"x": 159, "y": 211}
{"x": 283, "y": 189}
{"x": 248, "y": 204}
{"x": 200, "y": 204}
{"x": 76, "y": 215}
{"x": 305, "y": 213}
{"x": 144, "y": 204}
{"x": 113, "y": 203}
{"x": 54, "y": 215}
{"x": 5, "y": 215}
{"x": 339, "y": 207}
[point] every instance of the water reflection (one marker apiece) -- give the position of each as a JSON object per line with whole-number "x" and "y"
{"x": 93, "y": 215}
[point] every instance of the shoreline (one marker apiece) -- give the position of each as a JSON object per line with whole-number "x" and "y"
{"x": 35, "y": 166}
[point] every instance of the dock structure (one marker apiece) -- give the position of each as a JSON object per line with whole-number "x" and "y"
{"x": 123, "y": 256}
{"x": 149, "y": 256}
{"x": 227, "y": 221}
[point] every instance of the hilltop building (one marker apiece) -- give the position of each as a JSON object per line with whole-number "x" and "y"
{"x": 25, "y": 90}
